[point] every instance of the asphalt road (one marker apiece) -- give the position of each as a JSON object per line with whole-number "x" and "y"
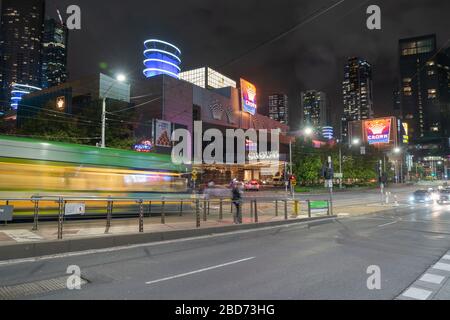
{"x": 315, "y": 261}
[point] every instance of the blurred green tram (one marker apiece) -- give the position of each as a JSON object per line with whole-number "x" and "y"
{"x": 30, "y": 166}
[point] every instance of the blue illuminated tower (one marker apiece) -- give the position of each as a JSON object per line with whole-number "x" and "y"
{"x": 161, "y": 58}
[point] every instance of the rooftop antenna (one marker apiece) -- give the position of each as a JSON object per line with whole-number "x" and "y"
{"x": 59, "y": 15}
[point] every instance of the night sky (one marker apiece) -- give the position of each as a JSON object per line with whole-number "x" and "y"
{"x": 216, "y": 32}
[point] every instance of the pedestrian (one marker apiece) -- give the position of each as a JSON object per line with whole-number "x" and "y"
{"x": 237, "y": 201}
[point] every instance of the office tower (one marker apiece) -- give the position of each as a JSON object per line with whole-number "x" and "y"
{"x": 54, "y": 53}
{"x": 357, "y": 91}
{"x": 314, "y": 108}
{"x": 21, "y": 33}
{"x": 278, "y": 107}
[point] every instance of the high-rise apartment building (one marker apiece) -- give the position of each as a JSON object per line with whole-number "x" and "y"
{"x": 424, "y": 87}
{"x": 278, "y": 108}
{"x": 314, "y": 108}
{"x": 357, "y": 91}
{"x": 54, "y": 53}
{"x": 21, "y": 34}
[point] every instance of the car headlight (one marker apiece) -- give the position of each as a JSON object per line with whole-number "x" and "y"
{"x": 411, "y": 198}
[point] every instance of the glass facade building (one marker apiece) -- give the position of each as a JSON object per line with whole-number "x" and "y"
{"x": 278, "y": 108}
{"x": 54, "y": 53}
{"x": 207, "y": 78}
{"x": 21, "y": 34}
{"x": 357, "y": 91}
{"x": 314, "y": 108}
{"x": 424, "y": 87}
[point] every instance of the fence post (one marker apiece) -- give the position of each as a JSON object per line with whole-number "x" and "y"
{"x": 197, "y": 212}
{"x": 221, "y": 209}
{"x": 149, "y": 209}
{"x": 61, "y": 208}
{"x": 163, "y": 212}
{"x": 141, "y": 216}
{"x": 108, "y": 215}
{"x": 205, "y": 217}
{"x": 256, "y": 211}
{"x": 36, "y": 215}
{"x": 285, "y": 210}
{"x": 276, "y": 208}
{"x": 309, "y": 208}
{"x": 181, "y": 208}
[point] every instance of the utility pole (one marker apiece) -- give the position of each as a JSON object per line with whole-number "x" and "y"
{"x": 103, "y": 145}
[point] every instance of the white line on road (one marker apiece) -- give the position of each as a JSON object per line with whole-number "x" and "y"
{"x": 432, "y": 278}
{"x": 416, "y": 293}
{"x": 442, "y": 266}
{"x": 200, "y": 270}
{"x": 387, "y": 224}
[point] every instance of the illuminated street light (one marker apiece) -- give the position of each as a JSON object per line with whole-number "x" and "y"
{"x": 356, "y": 141}
{"x": 397, "y": 150}
{"x": 121, "y": 77}
{"x": 308, "y": 131}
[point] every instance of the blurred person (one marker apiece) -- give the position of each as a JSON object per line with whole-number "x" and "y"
{"x": 237, "y": 201}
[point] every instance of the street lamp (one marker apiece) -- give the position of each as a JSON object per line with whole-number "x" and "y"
{"x": 356, "y": 141}
{"x": 397, "y": 150}
{"x": 308, "y": 131}
{"x": 120, "y": 78}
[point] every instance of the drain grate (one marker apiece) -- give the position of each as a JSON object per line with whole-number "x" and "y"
{"x": 34, "y": 288}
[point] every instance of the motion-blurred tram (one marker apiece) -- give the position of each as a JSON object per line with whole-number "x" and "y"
{"x": 41, "y": 167}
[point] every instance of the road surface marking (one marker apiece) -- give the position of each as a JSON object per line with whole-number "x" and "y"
{"x": 442, "y": 266}
{"x": 432, "y": 278}
{"x": 416, "y": 293}
{"x": 200, "y": 270}
{"x": 22, "y": 235}
{"x": 151, "y": 244}
{"x": 387, "y": 224}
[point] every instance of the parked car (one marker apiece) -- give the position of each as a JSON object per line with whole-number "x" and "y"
{"x": 252, "y": 185}
{"x": 421, "y": 196}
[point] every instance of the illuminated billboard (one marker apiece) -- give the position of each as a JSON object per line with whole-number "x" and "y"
{"x": 406, "y": 133}
{"x": 378, "y": 131}
{"x": 248, "y": 94}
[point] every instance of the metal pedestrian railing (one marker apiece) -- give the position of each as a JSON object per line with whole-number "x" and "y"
{"x": 198, "y": 207}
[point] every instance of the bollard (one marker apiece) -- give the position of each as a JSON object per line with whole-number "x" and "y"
{"x": 209, "y": 202}
{"x": 163, "y": 212}
{"x": 221, "y": 209}
{"x": 108, "y": 216}
{"x": 205, "y": 217}
{"x": 197, "y": 212}
{"x": 251, "y": 209}
{"x": 309, "y": 208}
{"x": 256, "y": 211}
{"x": 329, "y": 208}
{"x": 149, "y": 209}
{"x": 60, "y": 217}
{"x": 285, "y": 210}
{"x": 296, "y": 208}
{"x": 141, "y": 216}
{"x": 181, "y": 208}
{"x": 36, "y": 215}
{"x": 276, "y": 208}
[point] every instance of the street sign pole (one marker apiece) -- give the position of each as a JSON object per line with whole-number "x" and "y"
{"x": 330, "y": 183}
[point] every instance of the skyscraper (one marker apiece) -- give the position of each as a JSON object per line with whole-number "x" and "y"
{"x": 54, "y": 53}
{"x": 278, "y": 107}
{"x": 314, "y": 108}
{"x": 424, "y": 81}
{"x": 357, "y": 91}
{"x": 21, "y": 33}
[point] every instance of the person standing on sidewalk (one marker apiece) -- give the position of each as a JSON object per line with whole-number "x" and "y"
{"x": 237, "y": 201}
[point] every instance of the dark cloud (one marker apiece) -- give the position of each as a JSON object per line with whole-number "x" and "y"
{"x": 215, "y": 32}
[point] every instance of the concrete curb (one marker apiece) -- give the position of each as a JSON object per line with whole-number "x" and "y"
{"x": 47, "y": 248}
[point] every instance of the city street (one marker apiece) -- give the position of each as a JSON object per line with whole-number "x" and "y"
{"x": 326, "y": 260}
